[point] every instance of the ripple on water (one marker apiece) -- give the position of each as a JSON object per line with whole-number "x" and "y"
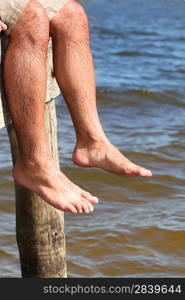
{"x": 140, "y": 251}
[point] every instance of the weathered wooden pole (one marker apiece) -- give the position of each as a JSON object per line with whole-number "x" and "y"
{"x": 39, "y": 227}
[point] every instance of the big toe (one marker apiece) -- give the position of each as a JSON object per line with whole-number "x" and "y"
{"x": 89, "y": 197}
{"x": 143, "y": 172}
{"x": 134, "y": 170}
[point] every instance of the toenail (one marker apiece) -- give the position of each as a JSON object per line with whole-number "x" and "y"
{"x": 95, "y": 198}
{"x": 148, "y": 172}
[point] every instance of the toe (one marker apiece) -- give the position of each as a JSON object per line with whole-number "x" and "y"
{"x": 86, "y": 194}
{"x": 89, "y": 205}
{"x": 93, "y": 200}
{"x": 85, "y": 207}
{"x": 143, "y": 172}
{"x": 89, "y": 197}
{"x": 134, "y": 170}
{"x": 78, "y": 206}
{"x": 71, "y": 208}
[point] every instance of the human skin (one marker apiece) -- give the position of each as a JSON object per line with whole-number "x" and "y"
{"x": 74, "y": 71}
{"x": 2, "y": 26}
{"x": 25, "y": 72}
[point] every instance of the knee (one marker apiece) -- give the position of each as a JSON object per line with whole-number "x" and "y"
{"x": 32, "y": 26}
{"x": 71, "y": 21}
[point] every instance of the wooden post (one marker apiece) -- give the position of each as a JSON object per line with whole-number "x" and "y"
{"x": 39, "y": 227}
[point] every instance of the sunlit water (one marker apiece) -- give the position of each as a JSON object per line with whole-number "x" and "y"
{"x": 138, "y": 229}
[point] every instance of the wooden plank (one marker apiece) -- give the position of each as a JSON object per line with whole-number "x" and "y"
{"x": 52, "y": 87}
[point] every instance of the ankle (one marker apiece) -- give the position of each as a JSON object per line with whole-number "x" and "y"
{"x": 35, "y": 162}
{"x": 89, "y": 139}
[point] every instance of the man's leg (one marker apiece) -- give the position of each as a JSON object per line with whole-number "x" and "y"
{"x": 25, "y": 87}
{"x": 74, "y": 71}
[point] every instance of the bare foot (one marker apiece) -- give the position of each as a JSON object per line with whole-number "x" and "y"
{"x": 53, "y": 186}
{"x": 102, "y": 154}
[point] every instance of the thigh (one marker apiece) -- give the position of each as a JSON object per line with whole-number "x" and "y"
{"x": 10, "y": 11}
{"x": 52, "y": 6}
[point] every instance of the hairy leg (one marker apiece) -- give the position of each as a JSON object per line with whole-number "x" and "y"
{"x": 74, "y": 71}
{"x": 25, "y": 87}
